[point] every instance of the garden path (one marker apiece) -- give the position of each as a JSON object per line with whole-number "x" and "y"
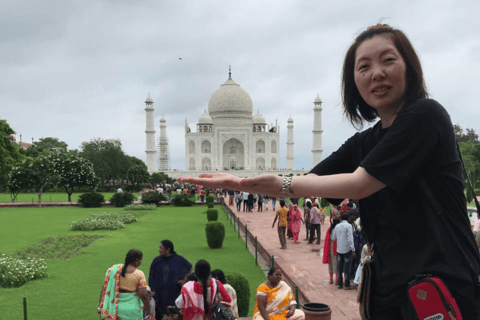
{"x": 302, "y": 265}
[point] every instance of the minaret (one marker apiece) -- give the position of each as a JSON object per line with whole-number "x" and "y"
{"x": 290, "y": 157}
{"x": 150, "y": 151}
{"x": 163, "y": 146}
{"x": 317, "y": 132}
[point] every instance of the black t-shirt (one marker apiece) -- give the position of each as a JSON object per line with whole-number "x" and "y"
{"x": 408, "y": 241}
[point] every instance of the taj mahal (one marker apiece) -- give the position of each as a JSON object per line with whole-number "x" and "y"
{"x": 229, "y": 138}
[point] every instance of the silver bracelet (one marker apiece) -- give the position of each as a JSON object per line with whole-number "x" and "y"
{"x": 287, "y": 181}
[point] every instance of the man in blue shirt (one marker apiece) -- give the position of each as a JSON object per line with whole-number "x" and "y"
{"x": 343, "y": 234}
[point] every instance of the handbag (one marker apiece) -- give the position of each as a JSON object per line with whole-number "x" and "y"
{"x": 431, "y": 299}
{"x": 221, "y": 312}
{"x": 365, "y": 286}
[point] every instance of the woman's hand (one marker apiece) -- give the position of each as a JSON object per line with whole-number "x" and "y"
{"x": 291, "y": 311}
{"x": 267, "y": 184}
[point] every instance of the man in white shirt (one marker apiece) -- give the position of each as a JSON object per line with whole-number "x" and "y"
{"x": 245, "y": 201}
{"x": 343, "y": 234}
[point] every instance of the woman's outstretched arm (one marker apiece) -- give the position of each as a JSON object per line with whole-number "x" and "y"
{"x": 356, "y": 185}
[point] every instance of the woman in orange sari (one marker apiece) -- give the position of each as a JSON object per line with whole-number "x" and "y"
{"x": 275, "y": 300}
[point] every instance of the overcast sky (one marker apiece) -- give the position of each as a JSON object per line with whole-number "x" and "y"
{"x": 82, "y": 70}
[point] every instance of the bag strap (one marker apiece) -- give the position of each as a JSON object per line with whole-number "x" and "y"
{"x": 468, "y": 179}
{"x": 449, "y": 224}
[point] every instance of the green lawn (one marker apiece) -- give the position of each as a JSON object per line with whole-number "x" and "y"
{"x": 73, "y": 286}
{"x": 53, "y": 197}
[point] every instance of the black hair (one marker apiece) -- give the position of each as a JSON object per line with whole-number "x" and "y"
{"x": 334, "y": 224}
{"x": 217, "y": 273}
{"x": 191, "y": 277}
{"x": 282, "y": 203}
{"x": 309, "y": 204}
{"x": 352, "y": 212}
{"x": 167, "y": 244}
{"x": 345, "y": 217}
{"x": 131, "y": 257}
{"x": 202, "y": 271}
{"x": 272, "y": 271}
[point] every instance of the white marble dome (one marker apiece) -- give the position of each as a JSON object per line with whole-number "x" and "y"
{"x": 230, "y": 100}
{"x": 259, "y": 119}
{"x": 205, "y": 119}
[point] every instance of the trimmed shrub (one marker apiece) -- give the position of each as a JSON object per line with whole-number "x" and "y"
{"x": 210, "y": 199}
{"x": 212, "y": 214}
{"x": 241, "y": 286}
{"x": 210, "y": 205}
{"x": 91, "y": 199}
{"x": 182, "y": 200}
{"x": 122, "y": 199}
{"x": 215, "y": 232}
{"x": 140, "y": 207}
{"x": 153, "y": 197}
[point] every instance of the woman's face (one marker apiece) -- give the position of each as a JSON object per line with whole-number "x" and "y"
{"x": 163, "y": 251}
{"x": 380, "y": 73}
{"x": 276, "y": 276}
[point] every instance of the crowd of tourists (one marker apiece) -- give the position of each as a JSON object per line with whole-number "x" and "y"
{"x": 176, "y": 290}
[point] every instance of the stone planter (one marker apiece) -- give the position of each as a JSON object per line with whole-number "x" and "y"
{"x": 317, "y": 311}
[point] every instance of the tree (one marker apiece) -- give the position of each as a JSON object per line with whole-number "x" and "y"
{"x": 470, "y": 151}
{"x": 20, "y": 178}
{"x": 9, "y": 152}
{"x": 73, "y": 171}
{"x": 108, "y": 159}
{"x": 46, "y": 144}
{"x": 137, "y": 174}
{"x": 159, "y": 177}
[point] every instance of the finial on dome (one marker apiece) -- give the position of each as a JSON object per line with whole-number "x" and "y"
{"x": 229, "y": 72}
{"x": 258, "y": 111}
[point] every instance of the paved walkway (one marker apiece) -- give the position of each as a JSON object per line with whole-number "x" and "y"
{"x": 301, "y": 264}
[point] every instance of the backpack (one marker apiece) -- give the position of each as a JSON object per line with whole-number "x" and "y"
{"x": 221, "y": 312}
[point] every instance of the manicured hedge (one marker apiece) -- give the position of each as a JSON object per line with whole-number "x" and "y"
{"x": 91, "y": 199}
{"x": 212, "y": 214}
{"x": 215, "y": 232}
{"x": 122, "y": 199}
{"x": 240, "y": 283}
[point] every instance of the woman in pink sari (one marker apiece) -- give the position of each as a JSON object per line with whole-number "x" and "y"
{"x": 295, "y": 218}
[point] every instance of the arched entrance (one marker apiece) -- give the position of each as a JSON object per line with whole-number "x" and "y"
{"x": 233, "y": 155}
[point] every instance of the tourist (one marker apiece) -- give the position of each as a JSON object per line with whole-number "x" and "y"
{"x": 119, "y": 190}
{"x": 250, "y": 202}
{"x": 260, "y": 203}
{"x": 238, "y": 200}
{"x": 220, "y": 276}
{"x": 343, "y": 234}
{"x": 217, "y": 195}
{"x": 265, "y": 202}
{"x": 289, "y": 222}
{"x": 275, "y": 299}
{"x": 296, "y": 217}
{"x": 150, "y": 297}
{"x": 198, "y": 296}
{"x": 231, "y": 196}
{"x": 306, "y": 217}
{"x": 315, "y": 221}
{"x": 274, "y": 199}
{"x": 334, "y": 212}
{"x": 202, "y": 195}
{"x": 389, "y": 167}
{"x": 124, "y": 284}
{"x": 358, "y": 242}
{"x": 323, "y": 213}
{"x": 165, "y": 272}
{"x": 476, "y": 225}
{"x": 245, "y": 201}
{"x": 330, "y": 252}
{"x": 281, "y": 214}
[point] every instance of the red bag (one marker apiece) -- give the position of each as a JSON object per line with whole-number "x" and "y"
{"x": 432, "y": 300}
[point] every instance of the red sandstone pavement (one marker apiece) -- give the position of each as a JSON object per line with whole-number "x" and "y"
{"x": 304, "y": 266}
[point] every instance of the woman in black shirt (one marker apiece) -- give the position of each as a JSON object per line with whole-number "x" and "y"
{"x": 382, "y": 167}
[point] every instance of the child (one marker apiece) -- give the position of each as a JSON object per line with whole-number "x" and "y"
{"x": 152, "y": 303}
{"x": 323, "y": 213}
{"x": 330, "y": 252}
